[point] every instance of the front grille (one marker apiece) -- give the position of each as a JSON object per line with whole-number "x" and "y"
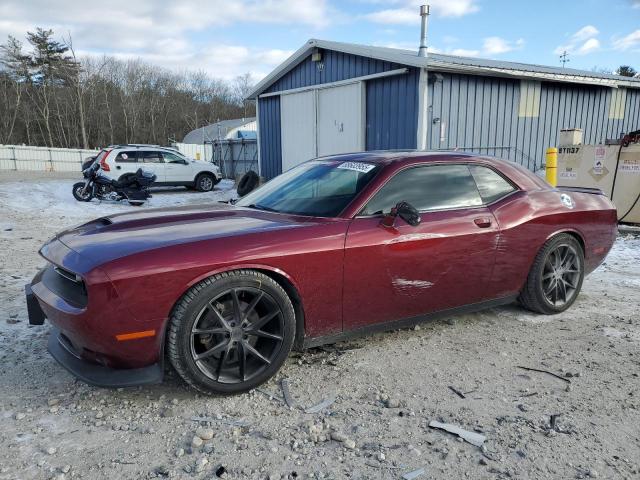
{"x": 67, "y": 285}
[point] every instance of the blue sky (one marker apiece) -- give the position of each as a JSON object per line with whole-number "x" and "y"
{"x": 228, "y": 38}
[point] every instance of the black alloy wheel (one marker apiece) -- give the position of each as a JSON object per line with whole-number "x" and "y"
{"x": 556, "y": 276}
{"x": 237, "y": 335}
{"x": 561, "y": 275}
{"x": 231, "y": 332}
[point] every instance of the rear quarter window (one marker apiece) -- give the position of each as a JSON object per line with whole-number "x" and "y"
{"x": 127, "y": 157}
{"x": 491, "y": 185}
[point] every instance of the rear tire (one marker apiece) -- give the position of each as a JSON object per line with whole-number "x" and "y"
{"x": 556, "y": 276}
{"x": 77, "y": 192}
{"x": 205, "y": 182}
{"x": 231, "y": 332}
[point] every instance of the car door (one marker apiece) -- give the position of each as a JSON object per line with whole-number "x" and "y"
{"x": 177, "y": 168}
{"x": 405, "y": 271}
{"x": 152, "y": 162}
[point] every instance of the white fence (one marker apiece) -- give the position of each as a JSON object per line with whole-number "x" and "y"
{"x": 197, "y": 152}
{"x": 42, "y": 159}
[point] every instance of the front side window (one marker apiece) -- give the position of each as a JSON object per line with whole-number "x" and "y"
{"x": 127, "y": 157}
{"x": 151, "y": 157}
{"x": 318, "y": 188}
{"x": 433, "y": 187}
{"x": 491, "y": 185}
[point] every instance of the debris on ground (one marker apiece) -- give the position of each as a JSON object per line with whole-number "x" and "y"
{"x": 321, "y": 406}
{"x": 471, "y": 437}
{"x": 129, "y": 432}
{"x": 271, "y": 396}
{"x": 224, "y": 421}
{"x": 287, "y": 393}
{"x": 457, "y": 392}
{"x": 413, "y": 474}
{"x": 545, "y": 371}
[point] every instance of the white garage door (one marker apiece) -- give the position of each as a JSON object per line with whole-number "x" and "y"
{"x": 298, "y": 127}
{"x": 321, "y": 122}
{"x": 341, "y": 119}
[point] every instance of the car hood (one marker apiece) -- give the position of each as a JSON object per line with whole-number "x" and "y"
{"x": 117, "y": 236}
{"x": 202, "y": 163}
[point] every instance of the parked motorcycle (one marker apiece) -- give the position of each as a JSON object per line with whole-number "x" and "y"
{"x": 134, "y": 187}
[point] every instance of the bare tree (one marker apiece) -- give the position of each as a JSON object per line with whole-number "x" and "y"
{"x": 51, "y": 97}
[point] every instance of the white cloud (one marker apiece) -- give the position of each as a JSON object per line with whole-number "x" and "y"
{"x": 463, "y": 52}
{"x": 177, "y": 34}
{"x": 628, "y": 42}
{"x": 497, "y": 45}
{"x": 491, "y": 46}
{"x": 581, "y": 42}
{"x": 589, "y": 46}
{"x": 585, "y": 33}
{"x": 408, "y": 12}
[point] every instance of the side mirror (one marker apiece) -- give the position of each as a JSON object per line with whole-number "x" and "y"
{"x": 405, "y": 211}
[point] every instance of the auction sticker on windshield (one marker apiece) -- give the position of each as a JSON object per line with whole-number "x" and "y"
{"x": 357, "y": 166}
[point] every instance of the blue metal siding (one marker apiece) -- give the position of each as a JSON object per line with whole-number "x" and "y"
{"x": 481, "y": 114}
{"x": 270, "y": 147}
{"x": 336, "y": 66}
{"x": 392, "y": 111}
{"x": 391, "y": 104}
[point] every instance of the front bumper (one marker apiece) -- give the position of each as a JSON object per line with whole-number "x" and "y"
{"x": 85, "y": 327}
{"x": 100, "y": 376}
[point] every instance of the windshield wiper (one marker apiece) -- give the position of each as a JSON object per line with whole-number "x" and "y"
{"x": 261, "y": 207}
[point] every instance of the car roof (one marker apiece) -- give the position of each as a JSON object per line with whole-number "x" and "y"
{"x": 395, "y": 156}
{"x": 524, "y": 178}
{"x": 143, "y": 146}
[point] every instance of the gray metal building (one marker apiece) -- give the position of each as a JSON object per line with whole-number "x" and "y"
{"x": 224, "y": 129}
{"x": 332, "y": 97}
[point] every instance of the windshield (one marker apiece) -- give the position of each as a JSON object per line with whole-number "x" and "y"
{"x": 316, "y": 188}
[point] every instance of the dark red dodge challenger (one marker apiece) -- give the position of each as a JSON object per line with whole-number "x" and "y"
{"x": 336, "y": 247}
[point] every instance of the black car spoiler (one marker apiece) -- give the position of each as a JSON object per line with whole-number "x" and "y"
{"x": 593, "y": 191}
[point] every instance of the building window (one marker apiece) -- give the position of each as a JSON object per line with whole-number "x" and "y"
{"x": 529, "y": 105}
{"x": 617, "y": 103}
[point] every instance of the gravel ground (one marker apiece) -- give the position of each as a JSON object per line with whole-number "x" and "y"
{"x": 387, "y": 388}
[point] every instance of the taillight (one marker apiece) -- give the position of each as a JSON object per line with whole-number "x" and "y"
{"x": 103, "y": 164}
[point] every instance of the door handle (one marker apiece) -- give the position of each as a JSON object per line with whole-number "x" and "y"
{"x": 482, "y": 222}
{"x": 118, "y": 167}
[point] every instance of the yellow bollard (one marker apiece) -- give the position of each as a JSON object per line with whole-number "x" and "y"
{"x": 552, "y": 166}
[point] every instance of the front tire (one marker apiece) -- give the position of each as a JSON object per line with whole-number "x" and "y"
{"x": 205, "y": 182}
{"x": 78, "y": 195}
{"x": 231, "y": 332}
{"x": 556, "y": 276}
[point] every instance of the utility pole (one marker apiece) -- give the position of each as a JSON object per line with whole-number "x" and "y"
{"x": 564, "y": 58}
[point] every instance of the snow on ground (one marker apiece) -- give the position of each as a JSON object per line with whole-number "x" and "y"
{"x": 388, "y": 387}
{"x": 55, "y": 197}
